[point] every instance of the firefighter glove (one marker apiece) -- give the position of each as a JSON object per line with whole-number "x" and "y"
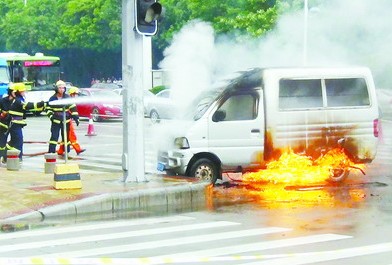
{"x": 76, "y": 119}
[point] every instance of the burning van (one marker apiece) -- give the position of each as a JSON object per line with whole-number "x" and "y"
{"x": 253, "y": 118}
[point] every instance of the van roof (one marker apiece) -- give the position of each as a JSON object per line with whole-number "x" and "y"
{"x": 318, "y": 71}
{"x": 252, "y": 78}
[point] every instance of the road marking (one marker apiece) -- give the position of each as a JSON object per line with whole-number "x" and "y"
{"x": 313, "y": 257}
{"x": 94, "y": 226}
{"x": 169, "y": 242}
{"x": 119, "y": 235}
{"x": 277, "y": 259}
{"x": 274, "y": 244}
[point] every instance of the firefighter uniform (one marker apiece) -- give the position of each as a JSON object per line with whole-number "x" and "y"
{"x": 73, "y": 140}
{"x": 17, "y": 112}
{"x": 56, "y": 113}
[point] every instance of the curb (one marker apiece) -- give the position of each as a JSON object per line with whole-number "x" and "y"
{"x": 186, "y": 197}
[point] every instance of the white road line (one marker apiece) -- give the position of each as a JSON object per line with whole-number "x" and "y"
{"x": 313, "y": 257}
{"x": 110, "y": 236}
{"x": 94, "y": 226}
{"x": 232, "y": 250}
{"x": 169, "y": 242}
{"x": 106, "y": 166}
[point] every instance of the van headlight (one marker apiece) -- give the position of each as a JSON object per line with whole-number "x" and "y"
{"x": 181, "y": 143}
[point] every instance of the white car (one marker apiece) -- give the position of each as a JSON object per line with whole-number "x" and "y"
{"x": 159, "y": 106}
{"x": 37, "y": 96}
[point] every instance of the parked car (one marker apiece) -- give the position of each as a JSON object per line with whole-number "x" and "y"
{"x": 109, "y": 86}
{"x": 148, "y": 96}
{"x": 100, "y": 103}
{"x": 119, "y": 91}
{"x": 159, "y": 106}
{"x": 37, "y": 94}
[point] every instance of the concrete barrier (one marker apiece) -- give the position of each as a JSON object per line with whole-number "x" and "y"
{"x": 13, "y": 162}
{"x": 50, "y": 162}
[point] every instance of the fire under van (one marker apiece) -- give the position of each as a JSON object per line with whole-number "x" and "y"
{"x": 248, "y": 121}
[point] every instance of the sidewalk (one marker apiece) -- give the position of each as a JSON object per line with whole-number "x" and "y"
{"x": 30, "y": 196}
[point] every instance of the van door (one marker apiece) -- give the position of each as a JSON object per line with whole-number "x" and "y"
{"x": 236, "y": 129}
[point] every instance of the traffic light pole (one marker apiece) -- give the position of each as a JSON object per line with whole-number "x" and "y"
{"x": 133, "y": 110}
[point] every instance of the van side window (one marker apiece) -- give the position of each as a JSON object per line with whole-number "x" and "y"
{"x": 347, "y": 92}
{"x": 239, "y": 107}
{"x": 300, "y": 94}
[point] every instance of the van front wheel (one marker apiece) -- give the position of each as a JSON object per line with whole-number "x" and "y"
{"x": 338, "y": 175}
{"x": 205, "y": 170}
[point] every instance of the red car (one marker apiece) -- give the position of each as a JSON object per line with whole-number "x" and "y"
{"x": 101, "y": 104}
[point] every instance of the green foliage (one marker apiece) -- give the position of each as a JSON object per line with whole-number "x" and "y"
{"x": 96, "y": 24}
{"x": 48, "y": 24}
{"x": 31, "y": 27}
{"x": 157, "y": 89}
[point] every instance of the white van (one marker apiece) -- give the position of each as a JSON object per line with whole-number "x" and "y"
{"x": 249, "y": 120}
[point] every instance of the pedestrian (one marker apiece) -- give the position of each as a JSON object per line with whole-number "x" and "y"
{"x": 17, "y": 115}
{"x": 73, "y": 92}
{"x": 56, "y": 115}
{"x": 5, "y": 120}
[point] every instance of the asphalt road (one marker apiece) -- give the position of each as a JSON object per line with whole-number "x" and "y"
{"x": 103, "y": 151}
{"x": 322, "y": 224}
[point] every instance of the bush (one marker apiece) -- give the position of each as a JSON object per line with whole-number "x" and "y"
{"x": 157, "y": 89}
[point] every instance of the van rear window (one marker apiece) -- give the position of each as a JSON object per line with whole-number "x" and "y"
{"x": 294, "y": 94}
{"x": 347, "y": 92}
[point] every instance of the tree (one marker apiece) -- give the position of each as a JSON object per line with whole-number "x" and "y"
{"x": 92, "y": 24}
{"x": 32, "y": 27}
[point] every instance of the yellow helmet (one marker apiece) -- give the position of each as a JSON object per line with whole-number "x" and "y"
{"x": 60, "y": 83}
{"x": 73, "y": 90}
{"x": 18, "y": 87}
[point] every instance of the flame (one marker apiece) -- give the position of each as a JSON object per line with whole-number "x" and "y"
{"x": 297, "y": 181}
{"x": 298, "y": 169}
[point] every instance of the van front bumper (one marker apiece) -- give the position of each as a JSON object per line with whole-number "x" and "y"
{"x": 175, "y": 161}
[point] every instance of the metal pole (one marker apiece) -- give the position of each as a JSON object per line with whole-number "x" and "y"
{"x": 65, "y": 135}
{"x": 305, "y": 48}
{"x": 133, "y": 111}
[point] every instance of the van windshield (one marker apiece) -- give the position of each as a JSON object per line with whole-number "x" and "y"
{"x": 202, "y": 102}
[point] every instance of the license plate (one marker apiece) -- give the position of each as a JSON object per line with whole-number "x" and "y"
{"x": 161, "y": 166}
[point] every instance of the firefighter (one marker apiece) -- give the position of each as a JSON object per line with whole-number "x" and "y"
{"x": 55, "y": 114}
{"x": 17, "y": 115}
{"x": 5, "y": 120}
{"x": 73, "y": 92}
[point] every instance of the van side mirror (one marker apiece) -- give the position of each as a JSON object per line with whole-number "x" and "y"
{"x": 219, "y": 115}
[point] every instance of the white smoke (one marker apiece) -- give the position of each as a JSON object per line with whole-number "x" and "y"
{"x": 340, "y": 32}
{"x": 190, "y": 61}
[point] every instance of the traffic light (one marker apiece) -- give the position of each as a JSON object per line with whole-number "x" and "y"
{"x": 146, "y": 14}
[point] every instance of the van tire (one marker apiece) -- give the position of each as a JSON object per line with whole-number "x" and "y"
{"x": 338, "y": 175}
{"x": 205, "y": 170}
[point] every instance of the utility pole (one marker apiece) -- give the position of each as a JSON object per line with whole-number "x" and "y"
{"x": 133, "y": 111}
{"x": 305, "y": 40}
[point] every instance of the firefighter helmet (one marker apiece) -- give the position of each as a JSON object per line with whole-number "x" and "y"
{"x": 60, "y": 83}
{"x": 73, "y": 90}
{"x": 18, "y": 87}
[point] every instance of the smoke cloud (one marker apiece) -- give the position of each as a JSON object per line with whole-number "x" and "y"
{"x": 339, "y": 32}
